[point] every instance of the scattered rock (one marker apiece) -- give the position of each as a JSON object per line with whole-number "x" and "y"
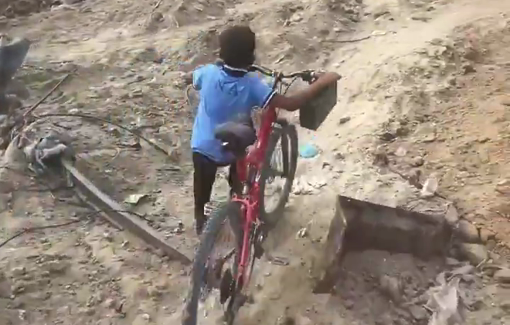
{"x": 505, "y": 305}
{"x": 430, "y": 187}
{"x": 506, "y": 101}
{"x": 400, "y": 152}
{"x": 344, "y": 120}
{"x": 148, "y": 54}
{"x": 56, "y": 267}
{"x": 387, "y": 136}
{"x": 503, "y": 186}
{"x": 5, "y": 287}
{"x": 110, "y": 303}
{"x": 285, "y": 320}
{"x": 452, "y": 216}
{"x": 486, "y": 235}
{"x": 417, "y": 162}
{"x": 468, "y": 68}
{"x": 474, "y": 253}
{"x": 18, "y": 271}
{"x": 418, "y": 312}
{"x": 302, "y": 233}
{"x": 391, "y": 287}
{"x": 502, "y": 276}
{"x": 348, "y": 304}
{"x": 467, "y": 232}
{"x": 339, "y": 156}
{"x": 451, "y": 261}
{"x": 380, "y": 157}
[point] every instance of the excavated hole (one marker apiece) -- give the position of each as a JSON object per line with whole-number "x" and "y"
{"x": 380, "y": 270}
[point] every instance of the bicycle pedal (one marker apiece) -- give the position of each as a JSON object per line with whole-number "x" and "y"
{"x": 226, "y": 286}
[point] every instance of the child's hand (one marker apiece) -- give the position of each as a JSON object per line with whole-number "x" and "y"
{"x": 187, "y": 78}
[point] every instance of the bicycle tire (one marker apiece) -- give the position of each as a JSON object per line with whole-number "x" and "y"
{"x": 212, "y": 229}
{"x": 290, "y": 155}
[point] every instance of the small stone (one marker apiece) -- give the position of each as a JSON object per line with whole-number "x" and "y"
{"x": 502, "y": 276}
{"x": 154, "y": 292}
{"x": 418, "y": 312}
{"x": 468, "y": 68}
{"x": 344, "y": 120}
{"x": 108, "y": 236}
{"x": 18, "y": 271}
{"x": 467, "y": 232}
{"x": 486, "y": 235}
{"x": 387, "y": 136}
{"x": 505, "y": 305}
{"x": 391, "y": 287}
{"x": 110, "y": 303}
{"x": 474, "y": 253}
{"x": 56, "y": 267}
{"x": 451, "y": 261}
{"x": 285, "y": 320}
{"x": 137, "y": 93}
{"x": 400, "y": 152}
{"x": 452, "y": 216}
{"x": 348, "y": 304}
{"x": 417, "y": 162}
{"x": 339, "y": 156}
{"x": 503, "y": 186}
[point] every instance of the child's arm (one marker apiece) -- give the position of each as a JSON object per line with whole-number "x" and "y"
{"x": 188, "y": 78}
{"x": 263, "y": 95}
{"x": 195, "y": 77}
{"x": 296, "y": 101}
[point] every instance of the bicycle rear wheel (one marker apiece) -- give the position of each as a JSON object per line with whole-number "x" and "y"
{"x": 209, "y": 271}
{"x": 283, "y": 141}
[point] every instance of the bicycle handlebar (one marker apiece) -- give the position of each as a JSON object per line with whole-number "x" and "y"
{"x": 306, "y": 75}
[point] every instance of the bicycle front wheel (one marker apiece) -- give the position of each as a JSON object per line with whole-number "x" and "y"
{"x": 278, "y": 172}
{"x": 215, "y": 261}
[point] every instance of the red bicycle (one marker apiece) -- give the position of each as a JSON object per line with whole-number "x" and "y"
{"x": 244, "y": 221}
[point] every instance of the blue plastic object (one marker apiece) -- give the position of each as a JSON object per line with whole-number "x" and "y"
{"x": 308, "y": 150}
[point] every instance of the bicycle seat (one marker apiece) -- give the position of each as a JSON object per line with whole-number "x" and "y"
{"x": 236, "y": 136}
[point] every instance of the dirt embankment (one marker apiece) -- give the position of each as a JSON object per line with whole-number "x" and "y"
{"x": 444, "y": 99}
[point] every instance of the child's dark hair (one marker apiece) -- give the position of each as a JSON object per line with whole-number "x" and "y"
{"x": 237, "y": 46}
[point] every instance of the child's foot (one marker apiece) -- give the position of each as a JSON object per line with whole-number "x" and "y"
{"x": 208, "y": 209}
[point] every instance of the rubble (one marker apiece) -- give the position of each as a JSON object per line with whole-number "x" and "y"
{"x": 467, "y": 232}
{"x": 503, "y": 275}
{"x": 474, "y": 253}
{"x": 101, "y": 263}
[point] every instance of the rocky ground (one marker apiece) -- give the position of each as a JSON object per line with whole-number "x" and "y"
{"x": 423, "y": 91}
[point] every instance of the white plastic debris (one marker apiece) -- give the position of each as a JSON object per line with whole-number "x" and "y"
{"x": 302, "y": 233}
{"x": 430, "y": 187}
{"x": 445, "y": 302}
{"x": 400, "y": 152}
{"x": 134, "y": 199}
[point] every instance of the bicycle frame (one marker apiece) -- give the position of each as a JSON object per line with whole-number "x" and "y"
{"x": 248, "y": 168}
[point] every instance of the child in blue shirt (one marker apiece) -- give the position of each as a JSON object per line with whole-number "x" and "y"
{"x": 226, "y": 92}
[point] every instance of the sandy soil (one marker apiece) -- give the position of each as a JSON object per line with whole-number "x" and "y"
{"x": 423, "y": 82}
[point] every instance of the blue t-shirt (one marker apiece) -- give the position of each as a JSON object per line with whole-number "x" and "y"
{"x": 222, "y": 99}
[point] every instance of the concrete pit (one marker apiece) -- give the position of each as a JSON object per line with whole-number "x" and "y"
{"x": 379, "y": 262}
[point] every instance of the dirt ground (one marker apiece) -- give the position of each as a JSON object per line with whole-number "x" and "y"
{"x": 424, "y": 83}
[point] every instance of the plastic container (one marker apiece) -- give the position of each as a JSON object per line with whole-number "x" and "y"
{"x": 313, "y": 114}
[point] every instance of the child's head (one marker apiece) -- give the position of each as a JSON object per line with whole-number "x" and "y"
{"x": 237, "y": 46}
